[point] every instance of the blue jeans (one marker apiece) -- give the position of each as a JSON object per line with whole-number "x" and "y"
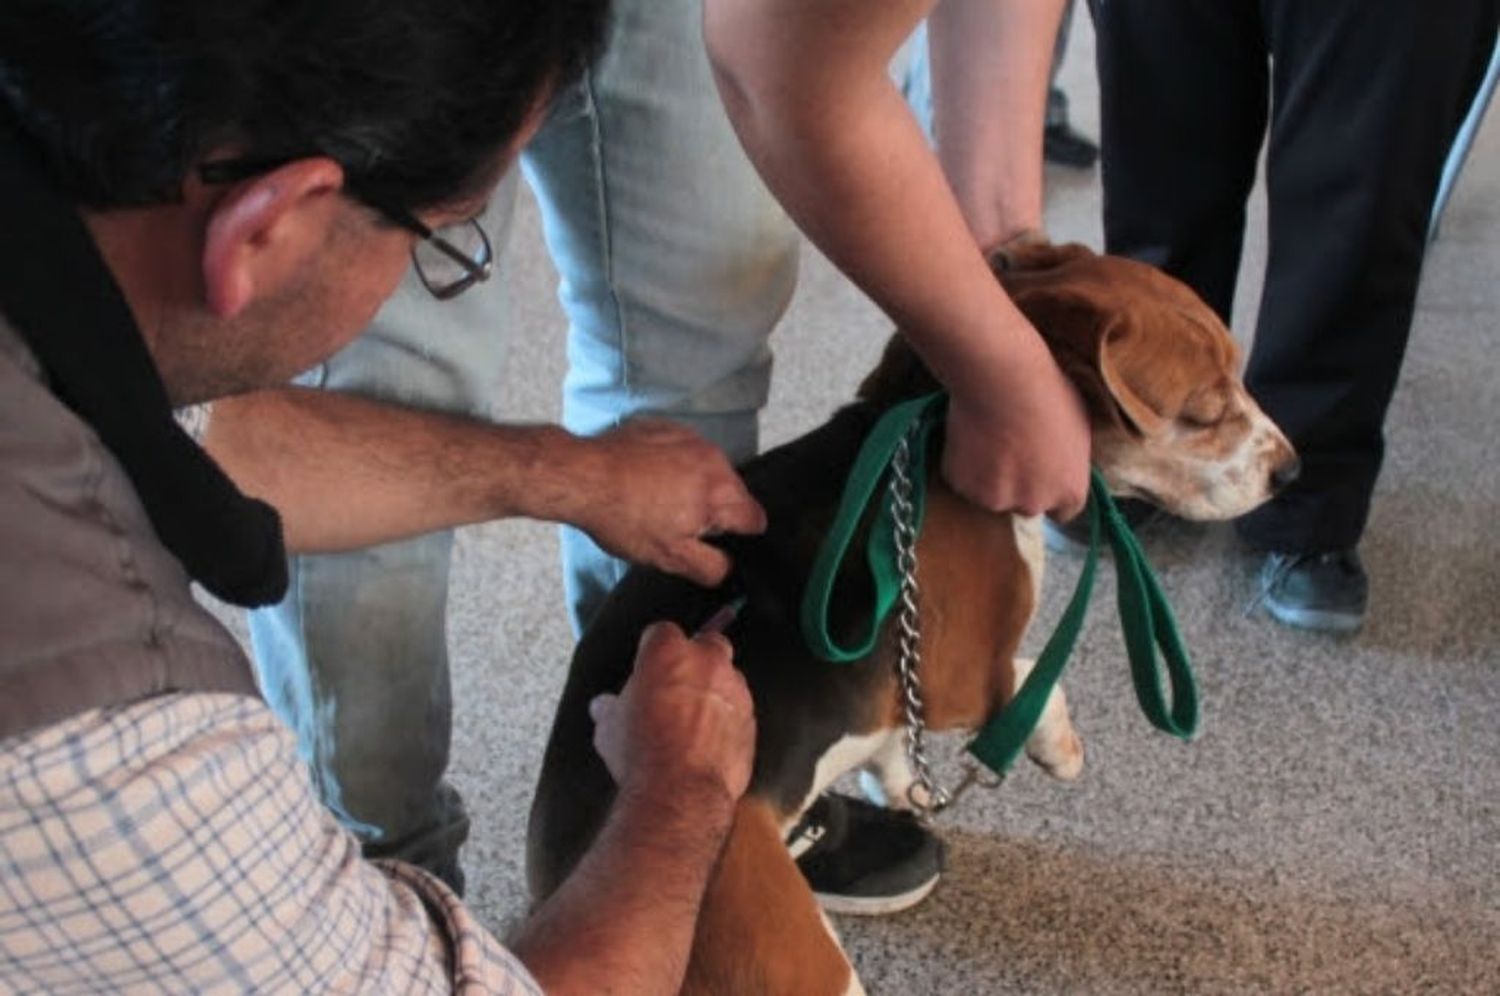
{"x": 675, "y": 264}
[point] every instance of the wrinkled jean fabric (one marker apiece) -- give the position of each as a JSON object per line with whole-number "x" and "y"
{"x": 675, "y": 263}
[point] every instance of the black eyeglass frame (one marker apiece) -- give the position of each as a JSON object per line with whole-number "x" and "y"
{"x": 476, "y": 268}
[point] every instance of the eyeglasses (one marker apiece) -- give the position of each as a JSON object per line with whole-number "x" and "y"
{"x": 449, "y": 260}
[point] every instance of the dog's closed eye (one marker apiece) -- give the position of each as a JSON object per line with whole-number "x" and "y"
{"x": 1205, "y": 408}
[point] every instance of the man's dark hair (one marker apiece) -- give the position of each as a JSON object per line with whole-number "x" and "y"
{"x": 414, "y": 99}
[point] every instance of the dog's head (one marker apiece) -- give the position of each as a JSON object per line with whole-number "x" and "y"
{"x": 1159, "y": 372}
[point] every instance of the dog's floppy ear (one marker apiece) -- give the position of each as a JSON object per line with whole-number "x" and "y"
{"x": 1139, "y": 415}
{"x": 901, "y": 374}
{"x": 1073, "y": 298}
{"x": 1077, "y": 332}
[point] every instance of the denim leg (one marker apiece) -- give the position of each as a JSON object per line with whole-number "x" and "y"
{"x": 1353, "y": 164}
{"x": 355, "y": 658}
{"x": 675, "y": 261}
{"x": 916, "y": 80}
{"x": 1183, "y": 103}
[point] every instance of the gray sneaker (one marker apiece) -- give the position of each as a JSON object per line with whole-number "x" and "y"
{"x": 1326, "y": 592}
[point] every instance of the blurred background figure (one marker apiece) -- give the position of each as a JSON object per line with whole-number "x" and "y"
{"x": 1062, "y": 144}
{"x": 1360, "y": 104}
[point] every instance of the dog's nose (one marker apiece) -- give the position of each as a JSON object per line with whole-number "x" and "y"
{"x": 1285, "y": 473}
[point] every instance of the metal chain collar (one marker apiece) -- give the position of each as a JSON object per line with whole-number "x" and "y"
{"x": 909, "y": 636}
{"x": 909, "y": 658}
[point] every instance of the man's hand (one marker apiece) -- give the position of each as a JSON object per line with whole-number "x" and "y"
{"x": 684, "y": 722}
{"x": 1023, "y": 447}
{"x": 679, "y": 740}
{"x": 656, "y": 489}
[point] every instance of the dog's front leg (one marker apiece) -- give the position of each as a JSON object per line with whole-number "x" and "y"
{"x": 1054, "y": 744}
{"x": 760, "y": 932}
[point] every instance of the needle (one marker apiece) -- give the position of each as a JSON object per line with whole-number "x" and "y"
{"x": 720, "y": 620}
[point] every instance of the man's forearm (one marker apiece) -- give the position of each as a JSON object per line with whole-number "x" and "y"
{"x": 991, "y": 62}
{"x": 806, "y": 87}
{"x": 347, "y": 472}
{"x": 623, "y": 922}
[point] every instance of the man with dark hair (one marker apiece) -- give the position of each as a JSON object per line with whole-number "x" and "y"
{"x": 200, "y": 199}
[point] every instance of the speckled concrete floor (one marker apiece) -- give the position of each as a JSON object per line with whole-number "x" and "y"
{"x": 1334, "y": 829}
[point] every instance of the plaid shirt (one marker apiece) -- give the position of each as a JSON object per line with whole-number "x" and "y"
{"x": 175, "y": 845}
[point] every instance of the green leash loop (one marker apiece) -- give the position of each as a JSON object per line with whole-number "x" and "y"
{"x": 1145, "y": 615}
{"x": 920, "y": 415}
{"x": 1147, "y": 620}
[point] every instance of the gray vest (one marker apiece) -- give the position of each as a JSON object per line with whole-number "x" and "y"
{"x": 94, "y": 611}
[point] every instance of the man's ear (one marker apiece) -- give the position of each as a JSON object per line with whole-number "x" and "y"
{"x": 263, "y": 232}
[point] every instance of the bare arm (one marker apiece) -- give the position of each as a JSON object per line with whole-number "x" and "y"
{"x": 679, "y": 741}
{"x": 347, "y": 472}
{"x": 806, "y": 85}
{"x": 624, "y": 920}
{"x": 991, "y": 62}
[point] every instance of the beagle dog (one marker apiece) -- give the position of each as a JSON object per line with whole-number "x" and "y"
{"x": 1171, "y": 422}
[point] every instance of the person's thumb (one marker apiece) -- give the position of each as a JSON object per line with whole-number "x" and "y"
{"x": 699, "y": 562}
{"x": 735, "y": 510}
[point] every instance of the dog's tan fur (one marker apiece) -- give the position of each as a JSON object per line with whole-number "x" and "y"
{"x": 757, "y": 884}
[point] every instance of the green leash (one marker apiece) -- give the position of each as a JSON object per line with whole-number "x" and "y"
{"x": 915, "y": 419}
{"x": 1145, "y": 615}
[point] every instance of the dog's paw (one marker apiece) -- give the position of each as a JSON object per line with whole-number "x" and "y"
{"x": 1054, "y": 745}
{"x": 1059, "y": 753}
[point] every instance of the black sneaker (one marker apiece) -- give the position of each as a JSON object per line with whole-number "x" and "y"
{"x": 1072, "y": 537}
{"x": 864, "y": 859}
{"x": 1327, "y": 592}
{"x": 1065, "y": 147}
